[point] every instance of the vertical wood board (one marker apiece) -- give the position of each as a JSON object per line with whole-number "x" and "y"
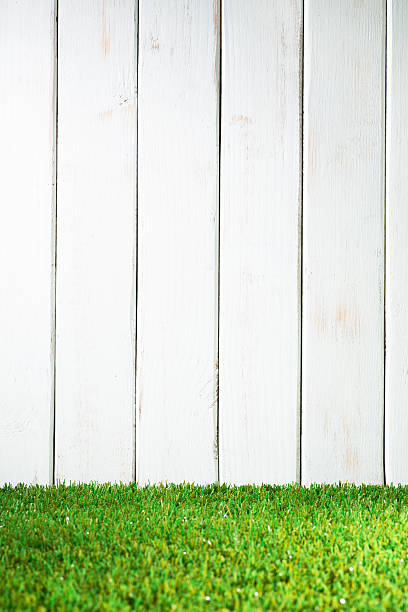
{"x": 177, "y": 240}
{"x": 343, "y": 238}
{"x": 26, "y": 240}
{"x": 95, "y": 367}
{"x": 259, "y": 244}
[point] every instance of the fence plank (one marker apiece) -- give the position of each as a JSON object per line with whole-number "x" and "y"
{"x": 396, "y": 377}
{"x": 95, "y": 371}
{"x": 342, "y": 425}
{"x": 177, "y": 240}
{"x": 26, "y": 240}
{"x": 260, "y": 196}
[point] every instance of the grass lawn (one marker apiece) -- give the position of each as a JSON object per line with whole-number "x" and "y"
{"x": 112, "y": 547}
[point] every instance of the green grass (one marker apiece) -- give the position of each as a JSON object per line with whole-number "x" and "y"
{"x": 196, "y": 548}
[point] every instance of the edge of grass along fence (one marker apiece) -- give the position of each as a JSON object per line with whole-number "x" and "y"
{"x": 186, "y": 547}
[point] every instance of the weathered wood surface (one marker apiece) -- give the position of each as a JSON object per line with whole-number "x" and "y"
{"x": 259, "y": 246}
{"x": 96, "y": 225}
{"x": 26, "y": 240}
{"x": 343, "y": 240}
{"x": 177, "y": 241}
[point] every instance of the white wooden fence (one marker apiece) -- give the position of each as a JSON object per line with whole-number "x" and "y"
{"x": 204, "y": 240}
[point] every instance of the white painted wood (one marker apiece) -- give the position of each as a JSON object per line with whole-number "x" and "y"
{"x": 343, "y": 238}
{"x": 259, "y": 217}
{"x": 396, "y": 375}
{"x": 26, "y": 240}
{"x": 95, "y": 368}
{"x": 177, "y": 240}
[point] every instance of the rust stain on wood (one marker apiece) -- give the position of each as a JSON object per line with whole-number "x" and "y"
{"x": 350, "y": 452}
{"x": 351, "y": 458}
{"x": 347, "y": 321}
{"x": 241, "y": 119}
{"x": 104, "y": 115}
{"x": 127, "y": 106}
{"x": 341, "y": 315}
{"x": 343, "y": 323}
{"x": 106, "y": 37}
{"x": 320, "y": 322}
{"x": 155, "y": 43}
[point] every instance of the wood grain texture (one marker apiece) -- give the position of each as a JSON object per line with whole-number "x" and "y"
{"x": 343, "y": 238}
{"x": 396, "y": 375}
{"x": 259, "y": 220}
{"x": 95, "y": 369}
{"x": 26, "y": 240}
{"x": 177, "y": 241}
